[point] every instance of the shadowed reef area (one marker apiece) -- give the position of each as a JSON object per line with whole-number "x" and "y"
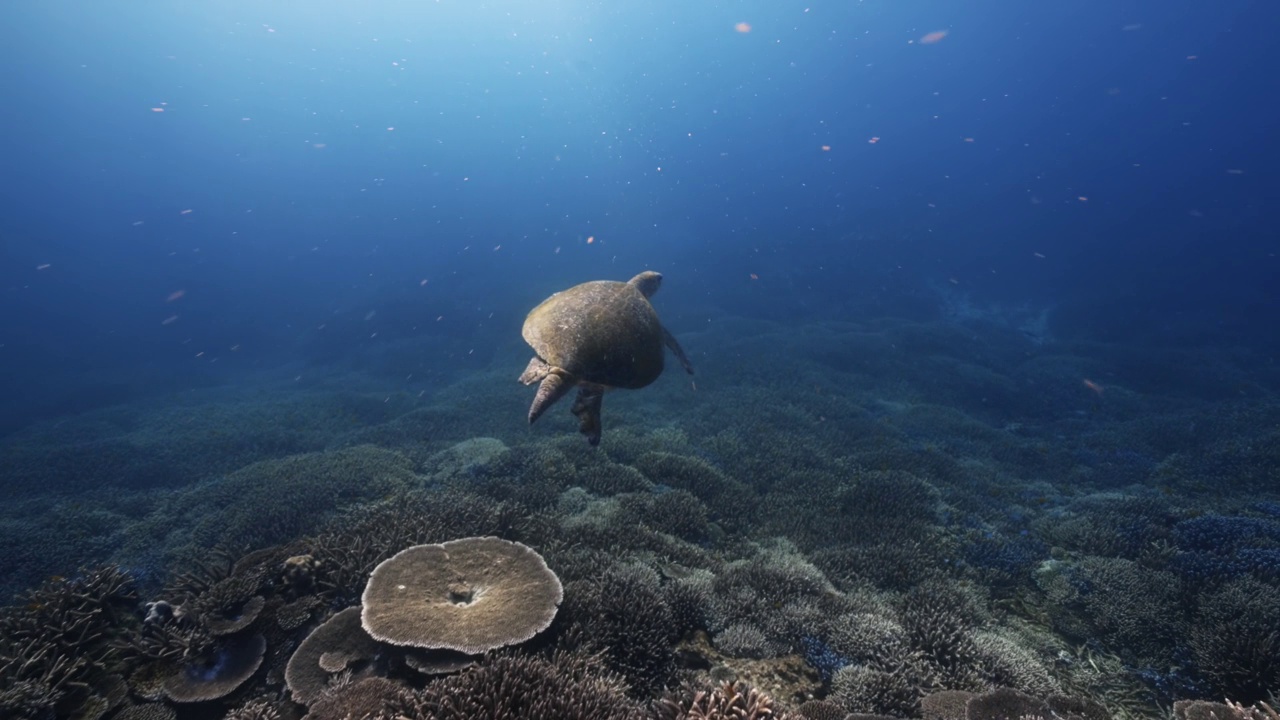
{"x": 885, "y": 519}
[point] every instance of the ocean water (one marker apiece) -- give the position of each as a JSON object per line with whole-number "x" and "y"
{"x": 981, "y": 301}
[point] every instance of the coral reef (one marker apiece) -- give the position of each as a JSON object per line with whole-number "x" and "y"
{"x": 978, "y": 536}
{"x": 471, "y": 595}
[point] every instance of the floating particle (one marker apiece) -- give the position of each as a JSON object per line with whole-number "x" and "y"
{"x": 755, "y": 276}
{"x": 1039, "y": 255}
{"x": 743, "y": 27}
{"x": 185, "y": 212}
{"x": 44, "y": 266}
{"x": 1235, "y": 171}
{"x": 826, "y": 148}
{"x": 968, "y": 140}
{"x": 1082, "y": 198}
{"x": 933, "y": 37}
{"x": 169, "y": 320}
{"x": 422, "y": 282}
{"x": 591, "y": 239}
{"x": 875, "y": 139}
{"x": 175, "y": 295}
{"x": 1095, "y": 387}
{"x": 157, "y": 109}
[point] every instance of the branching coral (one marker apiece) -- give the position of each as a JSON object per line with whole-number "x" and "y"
{"x": 622, "y": 615}
{"x": 1235, "y": 639}
{"x": 354, "y": 544}
{"x": 513, "y": 687}
{"x": 59, "y": 641}
{"x": 727, "y": 701}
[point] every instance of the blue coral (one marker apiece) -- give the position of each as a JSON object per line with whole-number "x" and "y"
{"x": 1012, "y": 556}
{"x": 822, "y": 658}
{"x": 1218, "y": 547}
{"x": 1222, "y": 534}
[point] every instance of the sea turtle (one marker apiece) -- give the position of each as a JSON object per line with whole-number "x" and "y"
{"x": 594, "y": 336}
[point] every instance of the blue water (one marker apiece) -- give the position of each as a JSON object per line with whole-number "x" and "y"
{"x": 316, "y": 163}
{"x": 1055, "y": 220}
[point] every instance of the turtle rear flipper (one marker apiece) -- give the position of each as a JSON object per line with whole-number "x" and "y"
{"x": 535, "y": 371}
{"x": 676, "y": 350}
{"x": 587, "y": 407}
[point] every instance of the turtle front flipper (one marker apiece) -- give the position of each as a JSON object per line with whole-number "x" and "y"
{"x": 587, "y": 407}
{"x": 676, "y": 350}
{"x": 554, "y": 386}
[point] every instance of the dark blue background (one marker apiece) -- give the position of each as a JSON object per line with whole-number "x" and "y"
{"x": 521, "y": 129}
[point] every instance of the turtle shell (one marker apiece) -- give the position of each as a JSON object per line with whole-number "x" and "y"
{"x": 602, "y": 332}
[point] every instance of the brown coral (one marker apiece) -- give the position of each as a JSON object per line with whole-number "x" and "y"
{"x": 471, "y": 595}
{"x": 218, "y": 673}
{"x": 727, "y": 701}
{"x": 328, "y": 649}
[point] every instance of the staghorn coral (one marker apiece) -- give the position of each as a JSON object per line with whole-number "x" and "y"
{"x": 945, "y": 705}
{"x": 870, "y": 639}
{"x": 745, "y": 641}
{"x": 688, "y": 598}
{"x": 354, "y": 544}
{"x": 858, "y": 688}
{"x": 1109, "y": 526}
{"x": 274, "y": 501}
{"x": 1235, "y": 639}
{"x": 509, "y": 686}
{"x": 58, "y": 646}
{"x": 230, "y": 605}
{"x": 821, "y": 710}
{"x": 777, "y": 591}
{"x": 293, "y": 615}
{"x": 727, "y": 701}
{"x": 938, "y": 619}
{"x": 256, "y": 709}
{"x": 875, "y": 506}
{"x": 1206, "y": 710}
{"x": 899, "y": 565}
{"x": 148, "y": 711}
{"x": 1134, "y": 609}
{"x": 675, "y": 512}
{"x": 370, "y": 698}
{"x": 621, "y": 614}
{"x": 1003, "y": 662}
{"x": 729, "y": 502}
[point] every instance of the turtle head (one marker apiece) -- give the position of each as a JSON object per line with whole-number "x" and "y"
{"x": 646, "y": 282}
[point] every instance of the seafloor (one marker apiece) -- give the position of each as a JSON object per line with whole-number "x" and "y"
{"x": 890, "y": 519}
